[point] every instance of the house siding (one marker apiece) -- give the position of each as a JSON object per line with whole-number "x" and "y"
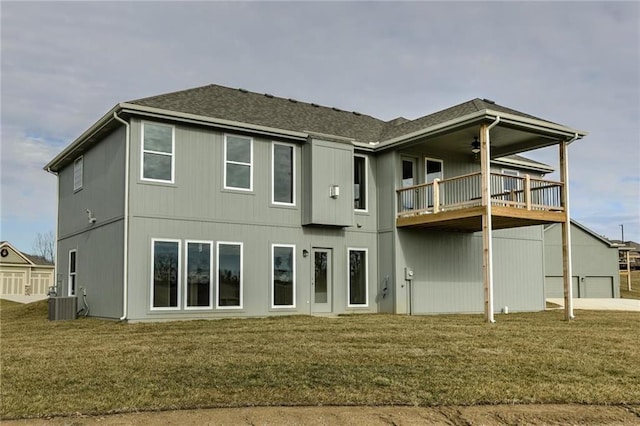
{"x": 99, "y": 245}
{"x": 594, "y": 264}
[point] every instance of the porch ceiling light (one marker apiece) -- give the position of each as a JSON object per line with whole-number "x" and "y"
{"x": 475, "y": 145}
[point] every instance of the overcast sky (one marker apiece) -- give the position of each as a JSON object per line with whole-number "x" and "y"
{"x": 577, "y": 63}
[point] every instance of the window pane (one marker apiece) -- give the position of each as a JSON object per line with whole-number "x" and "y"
{"x": 283, "y": 279}
{"x": 320, "y": 277}
{"x": 72, "y": 261}
{"x": 158, "y": 138}
{"x": 77, "y": 173}
{"x": 434, "y": 170}
{"x": 357, "y": 277}
{"x": 238, "y": 149}
{"x": 229, "y": 274}
{"x": 157, "y": 166}
{"x": 165, "y": 274}
{"x": 198, "y": 274}
{"x": 238, "y": 176}
{"x": 282, "y": 173}
{"x": 359, "y": 189}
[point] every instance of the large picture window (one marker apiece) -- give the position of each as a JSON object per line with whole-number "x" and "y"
{"x": 283, "y": 276}
{"x": 165, "y": 274}
{"x": 238, "y": 157}
{"x": 283, "y": 176}
{"x": 72, "y": 272}
{"x": 198, "y": 274}
{"x": 360, "y": 182}
{"x": 157, "y": 152}
{"x": 358, "y": 277}
{"x": 229, "y": 294}
{"x": 78, "y": 172}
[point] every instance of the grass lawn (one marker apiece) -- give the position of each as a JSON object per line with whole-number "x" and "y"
{"x": 94, "y": 366}
{"x": 635, "y": 286}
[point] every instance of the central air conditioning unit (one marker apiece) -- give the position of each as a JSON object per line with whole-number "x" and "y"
{"x": 62, "y": 308}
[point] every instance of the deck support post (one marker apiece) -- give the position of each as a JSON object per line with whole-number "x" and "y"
{"x": 566, "y": 233}
{"x": 527, "y": 191}
{"x": 487, "y": 246}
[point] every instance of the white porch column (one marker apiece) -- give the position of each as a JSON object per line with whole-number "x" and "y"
{"x": 487, "y": 245}
{"x": 566, "y": 232}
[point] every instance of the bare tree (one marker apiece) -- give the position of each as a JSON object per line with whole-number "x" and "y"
{"x": 45, "y": 245}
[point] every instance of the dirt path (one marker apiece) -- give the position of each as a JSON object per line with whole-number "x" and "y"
{"x": 455, "y": 415}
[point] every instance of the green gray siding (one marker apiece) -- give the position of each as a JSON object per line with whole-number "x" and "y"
{"x": 594, "y": 264}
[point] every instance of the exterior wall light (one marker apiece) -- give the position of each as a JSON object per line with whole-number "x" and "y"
{"x": 334, "y": 191}
{"x": 475, "y": 145}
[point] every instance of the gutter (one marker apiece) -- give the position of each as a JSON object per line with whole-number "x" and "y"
{"x": 125, "y": 261}
{"x": 55, "y": 252}
{"x": 490, "y": 114}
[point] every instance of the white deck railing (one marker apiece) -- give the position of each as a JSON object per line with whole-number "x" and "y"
{"x": 522, "y": 192}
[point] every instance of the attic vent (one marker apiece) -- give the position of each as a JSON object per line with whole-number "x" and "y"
{"x": 243, "y": 90}
{"x": 315, "y": 105}
{"x": 336, "y": 109}
{"x": 489, "y": 101}
{"x": 293, "y": 100}
{"x": 356, "y": 113}
{"x": 268, "y": 95}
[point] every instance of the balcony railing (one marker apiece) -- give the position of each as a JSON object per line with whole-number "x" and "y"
{"x": 520, "y": 192}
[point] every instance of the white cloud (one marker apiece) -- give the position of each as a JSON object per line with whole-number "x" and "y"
{"x": 578, "y": 63}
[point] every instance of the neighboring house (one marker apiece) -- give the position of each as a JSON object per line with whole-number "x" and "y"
{"x": 632, "y": 250}
{"x": 594, "y": 261}
{"x": 23, "y": 277}
{"x": 216, "y": 202}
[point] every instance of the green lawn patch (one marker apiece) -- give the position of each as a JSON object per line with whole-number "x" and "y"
{"x": 94, "y": 366}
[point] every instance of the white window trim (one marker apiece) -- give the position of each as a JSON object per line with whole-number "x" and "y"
{"x": 79, "y": 160}
{"x": 235, "y": 188}
{"x": 293, "y": 174}
{"x": 366, "y": 266}
{"x": 435, "y": 160}
{"x": 179, "y": 274}
{"x": 74, "y": 274}
{"x": 218, "y": 244}
{"x": 186, "y": 273}
{"x": 293, "y": 260}
{"x": 366, "y": 183}
{"x": 172, "y": 155}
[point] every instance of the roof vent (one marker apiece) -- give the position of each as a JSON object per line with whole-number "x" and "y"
{"x": 489, "y": 101}
{"x": 356, "y": 113}
{"x": 315, "y": 105}
{"x": 336, "y": 109}
{"x": 293, "y": 100}
{"x": 268, "y": 95}
{"x": 243, "y": 90}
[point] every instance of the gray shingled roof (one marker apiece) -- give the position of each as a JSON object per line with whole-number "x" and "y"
{"x": 221, "y": 102}
{"x": 267, "y": 110}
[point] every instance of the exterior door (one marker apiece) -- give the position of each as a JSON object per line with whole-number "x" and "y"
{"x": 409, "y": 178}
{"x": 321, "y": 281}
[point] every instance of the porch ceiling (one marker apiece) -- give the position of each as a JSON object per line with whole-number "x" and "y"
{"x": 505, "y": 140}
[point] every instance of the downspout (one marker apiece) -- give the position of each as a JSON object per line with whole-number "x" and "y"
{"x": 125, "y": 267}
{"x": 487, "y": 177}
{"x": 55, "y": 253}
{"x": 567, "y": 231}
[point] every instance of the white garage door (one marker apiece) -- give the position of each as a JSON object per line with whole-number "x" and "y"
{"x": 12, "y": 283}
{"x": 598, "y": 287}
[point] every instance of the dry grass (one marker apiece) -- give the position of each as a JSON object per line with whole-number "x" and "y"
{"x": 94, "y": 366}
{"x": 635, "y": 286}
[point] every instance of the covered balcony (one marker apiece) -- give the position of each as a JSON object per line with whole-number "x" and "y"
{"x": 455, "y": 204}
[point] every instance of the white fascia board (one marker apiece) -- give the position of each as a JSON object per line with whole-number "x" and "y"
{"x": 489, "y": 114}
{"x": 97, "y": 126}
{"x": 200, "y": 119}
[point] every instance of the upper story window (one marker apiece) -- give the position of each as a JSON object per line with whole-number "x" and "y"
{"x": 432, "y": 170}
{"x": 238, "y": 158}
{"x": 283, "y": 174}
{"x": 78, "y": 171}
{"x": 360, "y": 182}
{"x": 158, "y": 145}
